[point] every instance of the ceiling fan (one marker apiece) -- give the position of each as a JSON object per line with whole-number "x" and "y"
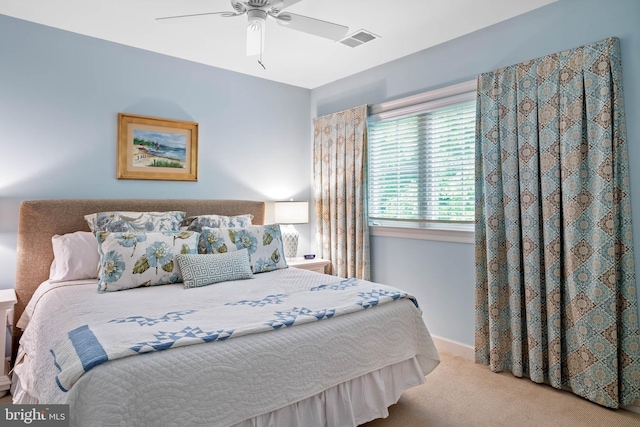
{"x": 258, "y": 11}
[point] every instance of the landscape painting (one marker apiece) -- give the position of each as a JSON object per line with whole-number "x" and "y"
{"x": 157, "y": 149}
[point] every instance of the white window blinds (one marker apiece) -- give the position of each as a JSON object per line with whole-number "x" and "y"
{"x": 421, "y": 163}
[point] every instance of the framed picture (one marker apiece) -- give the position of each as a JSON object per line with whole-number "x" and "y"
{"x": 159, "y": 149}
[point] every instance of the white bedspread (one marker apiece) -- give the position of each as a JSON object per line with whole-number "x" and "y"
{"x": 218, "y": 382}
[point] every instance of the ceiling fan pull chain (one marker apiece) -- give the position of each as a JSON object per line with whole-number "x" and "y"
{"x": 260, "y": 60}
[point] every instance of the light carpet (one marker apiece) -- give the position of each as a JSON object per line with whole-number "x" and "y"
{"x": 460, "y": 393}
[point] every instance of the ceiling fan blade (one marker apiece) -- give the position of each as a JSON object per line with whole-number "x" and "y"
{"x": 277, "y": 8}
{"x": 313, "y": 26}
{"x": 225, "y": 14}
{"x": 255, "y": 39}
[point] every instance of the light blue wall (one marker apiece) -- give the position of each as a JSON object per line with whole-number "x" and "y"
{"x": 60, "y": 94}
{"x": 441, "y": 275}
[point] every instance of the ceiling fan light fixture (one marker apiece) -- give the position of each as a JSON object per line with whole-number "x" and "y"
{"x": 255, "y": 31}
{"x": 257, "y": 19}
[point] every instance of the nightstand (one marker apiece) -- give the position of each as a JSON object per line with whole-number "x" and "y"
{"x": 316, "y": 264}
{"x": 7, "y": 300}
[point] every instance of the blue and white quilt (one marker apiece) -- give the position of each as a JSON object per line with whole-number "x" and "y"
{"x": 144, "y": 330}
{"x": 263, "y": 343}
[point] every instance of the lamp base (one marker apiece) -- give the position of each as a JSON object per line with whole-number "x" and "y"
{"x": 290, "y": 241}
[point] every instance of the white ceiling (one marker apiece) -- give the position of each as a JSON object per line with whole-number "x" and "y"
{"x": 291, "y": 57}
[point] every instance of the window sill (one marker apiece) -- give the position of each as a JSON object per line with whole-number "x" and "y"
{"x": 440, "y": 235}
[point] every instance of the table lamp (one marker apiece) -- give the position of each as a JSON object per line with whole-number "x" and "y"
{"x": 287, "y": 214}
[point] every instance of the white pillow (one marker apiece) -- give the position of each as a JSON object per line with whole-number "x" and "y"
{"x": 75, "y": 257}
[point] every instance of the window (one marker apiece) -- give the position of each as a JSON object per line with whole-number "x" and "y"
{"x": 421, "y": 162}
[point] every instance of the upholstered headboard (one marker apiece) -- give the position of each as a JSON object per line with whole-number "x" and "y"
{"x": 39, "y": 220}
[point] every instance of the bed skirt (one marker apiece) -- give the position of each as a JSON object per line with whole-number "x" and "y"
{"x": 351, "y": 403}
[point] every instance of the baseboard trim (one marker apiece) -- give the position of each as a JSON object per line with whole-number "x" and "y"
{"x": 454, "y": 347}
{"x": 632, "y": 408}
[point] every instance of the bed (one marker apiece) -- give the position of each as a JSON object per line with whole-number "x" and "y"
{"x": 338, "y": 367}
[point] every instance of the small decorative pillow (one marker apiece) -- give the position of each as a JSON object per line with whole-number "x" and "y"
{"x": 196, "y": 223}
{"x": 132, "y": 259}
{"x": 75, "y": 257}
{"x": 135, "y": 221}
{"x": 263, "y": 242}
{"x": 207, "y": 269}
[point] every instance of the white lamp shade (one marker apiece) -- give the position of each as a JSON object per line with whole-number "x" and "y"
{"x": 291, "y": 212}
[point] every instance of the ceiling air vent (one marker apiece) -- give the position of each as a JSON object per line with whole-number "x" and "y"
{"x": 358, "y": 38}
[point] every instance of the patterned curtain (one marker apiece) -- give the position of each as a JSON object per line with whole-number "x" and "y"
{"x": 555, "y": 282}
{"x": 339, "y": 155}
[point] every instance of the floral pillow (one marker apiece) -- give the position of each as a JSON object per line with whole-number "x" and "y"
{"x": 135, "y": 221}
{"x": 263, "y": 242}
{"x": 132, "y": 259}
{"x": 196, "y": 223}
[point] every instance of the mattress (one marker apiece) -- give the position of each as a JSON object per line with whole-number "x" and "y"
{"x": 223, "y": 382}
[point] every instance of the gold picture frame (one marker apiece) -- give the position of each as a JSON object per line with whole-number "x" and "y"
{"x": 156, "y": 148}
